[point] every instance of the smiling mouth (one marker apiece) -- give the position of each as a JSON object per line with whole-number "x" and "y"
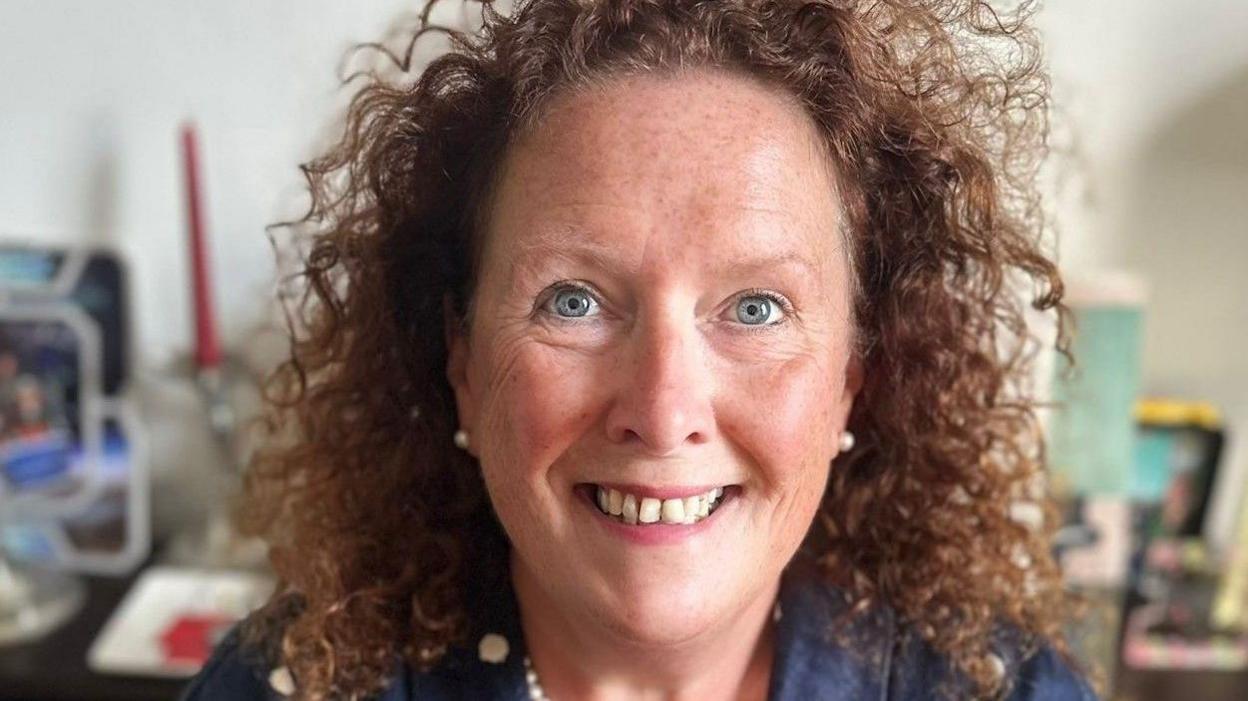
{"x": 631, "y": 509}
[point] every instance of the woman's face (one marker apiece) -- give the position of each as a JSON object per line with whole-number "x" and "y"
{"x": 663, "y": 308}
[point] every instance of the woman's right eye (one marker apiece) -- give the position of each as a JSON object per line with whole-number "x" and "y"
{"x": 571, "y": 302}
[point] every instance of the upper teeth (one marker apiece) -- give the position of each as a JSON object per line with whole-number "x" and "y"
{"x": 632, "y": 509}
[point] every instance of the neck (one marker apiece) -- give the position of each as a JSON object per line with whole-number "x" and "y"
{"x": 578, "y": 659}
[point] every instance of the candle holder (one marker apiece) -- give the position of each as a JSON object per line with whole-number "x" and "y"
{"x": 215, "y": 542}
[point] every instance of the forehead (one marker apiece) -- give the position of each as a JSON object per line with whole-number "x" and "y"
{"x": 703, "y": 162}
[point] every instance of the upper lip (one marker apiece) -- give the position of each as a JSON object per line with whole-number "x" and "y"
{"x": 660, "y": 492}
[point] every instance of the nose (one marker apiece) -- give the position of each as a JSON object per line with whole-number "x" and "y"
{"x": 664, "y": 394}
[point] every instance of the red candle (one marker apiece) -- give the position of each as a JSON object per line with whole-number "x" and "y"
{"x": 207, "y": 346}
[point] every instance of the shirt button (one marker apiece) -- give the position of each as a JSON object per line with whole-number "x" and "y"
{"x": 997, "y": 664}
{"x": 493, "y": 648}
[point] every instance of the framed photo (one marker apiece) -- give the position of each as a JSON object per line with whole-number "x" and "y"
{"x": 73, "y": 470}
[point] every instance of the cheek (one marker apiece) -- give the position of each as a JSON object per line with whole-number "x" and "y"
{"x": 785, "y": 424}
{"x": 539, "y": 402}
{"x": 784, "y": 418}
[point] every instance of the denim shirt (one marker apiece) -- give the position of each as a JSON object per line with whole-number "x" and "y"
{"x": 885, "y": 661}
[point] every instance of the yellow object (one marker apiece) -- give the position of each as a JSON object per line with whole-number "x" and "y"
{"x": 1172, "y": 412}
{"x": 1228, "y": 604}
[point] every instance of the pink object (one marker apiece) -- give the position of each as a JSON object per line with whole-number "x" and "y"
{"x": 207, "y": 346}
{"x": 191, "y": 638}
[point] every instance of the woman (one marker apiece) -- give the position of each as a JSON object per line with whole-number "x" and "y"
{"x": 669, "y": 349}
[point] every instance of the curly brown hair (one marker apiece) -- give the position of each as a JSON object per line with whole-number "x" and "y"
{"x": 934, "y": 112}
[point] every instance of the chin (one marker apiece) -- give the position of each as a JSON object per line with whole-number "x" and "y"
{"x": 655, "y": 613}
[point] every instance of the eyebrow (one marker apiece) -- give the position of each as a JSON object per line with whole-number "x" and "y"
{"x": 790, "y": 259}
{"x": 568, "y": 246}
{"x": 530, "y": 255}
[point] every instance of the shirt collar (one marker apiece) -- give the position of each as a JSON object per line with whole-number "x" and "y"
{"x": 822, "y": 650}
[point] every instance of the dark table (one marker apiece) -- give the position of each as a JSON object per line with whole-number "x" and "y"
{"x": 1175, "y": 685}
{"x": 55, "y": 668}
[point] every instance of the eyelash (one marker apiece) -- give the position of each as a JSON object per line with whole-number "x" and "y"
{"x": 554, "y": 290}
{"x": 782, "y": 302}
{"x": 775, "y": 297}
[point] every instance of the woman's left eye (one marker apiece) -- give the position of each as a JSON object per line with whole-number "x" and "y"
{"x": 761, "y": 309}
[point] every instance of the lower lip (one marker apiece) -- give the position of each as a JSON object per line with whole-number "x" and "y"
{"x": 657, "y": 533}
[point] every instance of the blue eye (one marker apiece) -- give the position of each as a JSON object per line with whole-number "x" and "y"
{"x": 572, "y": 302}
{"x": 758, "y": 310}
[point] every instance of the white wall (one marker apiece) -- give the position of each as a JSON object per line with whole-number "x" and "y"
{"x": 1154, "y": 105}
{"x": 93, "y": 94}
{"x": 1122, "y": 70}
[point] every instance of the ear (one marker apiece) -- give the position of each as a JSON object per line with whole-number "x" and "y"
{"x": 457, "y": 352}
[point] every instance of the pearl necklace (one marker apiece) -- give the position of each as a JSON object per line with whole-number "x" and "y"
{"x": 536, "y": 692}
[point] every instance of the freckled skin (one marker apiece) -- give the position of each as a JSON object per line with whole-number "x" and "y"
{"x": 670, "y": 182}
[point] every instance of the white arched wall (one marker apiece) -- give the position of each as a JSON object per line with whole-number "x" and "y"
{"x": 1121, "y": 69}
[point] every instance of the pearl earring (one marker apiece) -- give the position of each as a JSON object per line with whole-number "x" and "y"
{"x": 847, "y": 441}
{"x": 461, "y": 439}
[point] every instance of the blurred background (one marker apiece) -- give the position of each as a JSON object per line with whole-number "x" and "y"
{"x": 147, "y": 144}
